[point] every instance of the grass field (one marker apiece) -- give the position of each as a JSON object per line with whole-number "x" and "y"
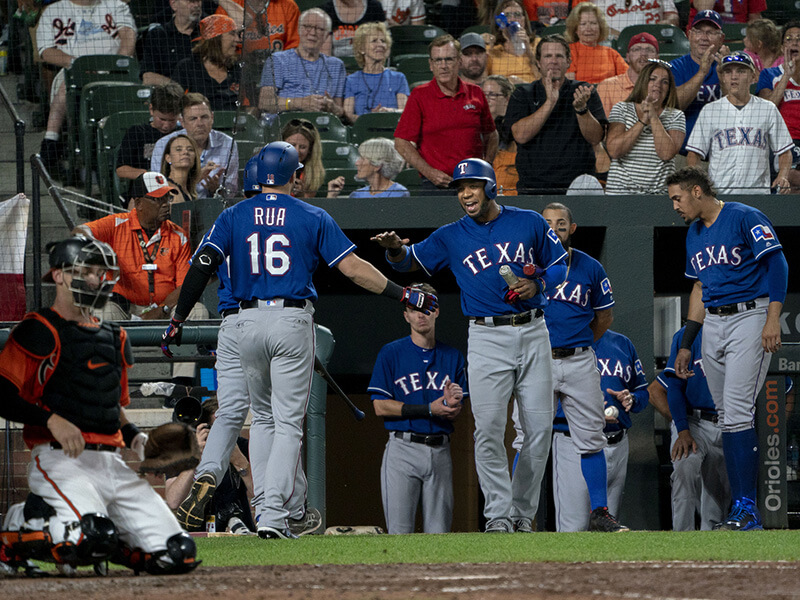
{"x": 482, "y": 548}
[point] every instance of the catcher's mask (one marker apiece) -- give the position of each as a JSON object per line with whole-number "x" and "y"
{"x": 77, "y": 256}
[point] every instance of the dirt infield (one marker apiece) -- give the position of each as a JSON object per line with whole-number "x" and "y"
{"x": 505, "y": 581}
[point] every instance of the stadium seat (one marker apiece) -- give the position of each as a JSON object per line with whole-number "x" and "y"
{"x": 415, "y": 68}
{"x": 414, "y": 39}
{"x": 411, "y": 180}
{"x": 110, "y": 131}
{"x": 782, "y": 11}
{"x": 560, "y": 28}
{"x": 371, "y": 125}
{"x": 350, "y": 184}
{"x": 477, "y": 29}
{"x": 671, "y": 40}
{"x": 328, "y": 124}
{"x": 239, "y": 124}
{"x": 338, "y": 155}
{"x": 734, "y": 35}
{"x": 350, "y": 64}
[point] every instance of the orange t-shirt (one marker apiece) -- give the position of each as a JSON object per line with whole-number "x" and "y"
{"x": 169, "y": 248}
{"x": 282, "y": 16}
{"x": 30, "y": 373}
{"x": 505, "y": 166}
{"x": 593, "y": 64}
{"x": 546, "y": 12}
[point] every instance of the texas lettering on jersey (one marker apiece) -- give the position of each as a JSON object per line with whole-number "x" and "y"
{"x": 412, "y": 382}
{"x": 709, "y": 92}
{"x": 740, "y": 136}
{"x": 479, "y": 260}
{"x": 577, "y": 293}
{"x": 716, "y": 255}
{"x": 616, "y": 368}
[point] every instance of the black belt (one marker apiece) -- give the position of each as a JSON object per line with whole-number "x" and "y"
{"x": 287, "y": 302}
{"x": 228, "y": 312}
{"x": 513, "y": 320}
{"x": 616, "y": 437}
{"x": 98, "y": 447}
{"x": 732, "y": 309}
{"x": 567, "y": 352}
{"x": 428, "y": 440}
{"x": 707, "y": 415}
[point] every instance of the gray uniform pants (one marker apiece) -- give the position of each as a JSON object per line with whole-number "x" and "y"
{"x": 570, "y": 494}
{"x": 505, "y": 360}
{"x": 276, "y": 350}
{"x": 412, "y": 473}
{"x": 700, "y": 481}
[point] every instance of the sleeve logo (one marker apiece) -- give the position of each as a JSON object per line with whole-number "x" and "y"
{"x": 605, "y": 285}
{"x": 762, "y": 232}
{"x": 552, "y": 235}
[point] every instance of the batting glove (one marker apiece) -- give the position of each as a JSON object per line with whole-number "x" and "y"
{"x": 139, "y": 443}
{"x": 511, "y": 297}
{"x": 419, "y": 300}
{"x": 172, "y": 334}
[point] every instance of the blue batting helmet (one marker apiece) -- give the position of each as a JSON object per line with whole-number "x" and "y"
{"x": 277, "y": 162}
{"x": 251, "y": 176}
{"x": 475, "y": 168}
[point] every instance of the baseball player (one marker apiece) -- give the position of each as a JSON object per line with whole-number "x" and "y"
{"x": 417, "y": 386}
{"x": 699, "y": 481}
{"x": 578, "y": 313}
{"x": 625, "y": 388}
{"x": 737, "y": 133}
{"x": 64, "y": 375}
{"x": 741, "y": 275}
{"x": 274, "y": 243}
{"x": 509, "y": 350}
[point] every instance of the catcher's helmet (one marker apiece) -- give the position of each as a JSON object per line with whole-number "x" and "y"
{"x": 277, "y": 162}
{"x": 251, "y": 184}
{"x": 475, "y": 168}
{"x": 78, "y": 252}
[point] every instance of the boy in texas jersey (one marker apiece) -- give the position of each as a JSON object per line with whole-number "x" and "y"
{"x": 417, "y": 386}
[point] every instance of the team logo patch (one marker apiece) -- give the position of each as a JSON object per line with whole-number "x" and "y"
{"x": 272, "y": 196}
{"x": 552, "y": 235}
{"x": 469, "y": 107}
{"x": 762, "y": 232}
{"x": 605, "y": 285}
{"x": 462, "y": 168}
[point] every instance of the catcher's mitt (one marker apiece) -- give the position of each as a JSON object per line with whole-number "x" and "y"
{"x": 171, "y": 448}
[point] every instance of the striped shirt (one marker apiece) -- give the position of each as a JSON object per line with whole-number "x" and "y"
{"x": 641, "y": 171}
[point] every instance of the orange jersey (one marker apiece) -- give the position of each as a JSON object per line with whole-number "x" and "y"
{"x": 30, "y": 372}
{"x": 282, "y": 16}
{"x": 169, "y": 248}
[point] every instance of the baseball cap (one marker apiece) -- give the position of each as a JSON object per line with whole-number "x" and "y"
{"x": 711, "y": 16}
{"x": 151, "y": 184}
{"x": 471, "y": 39}
{"x": 737, "y": 58}
{"x": 644, "y": 38}
{"x": 214, "y": 26}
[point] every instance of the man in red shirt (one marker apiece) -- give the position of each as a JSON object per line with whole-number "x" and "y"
{"x": 445, "y": 120}
{"x": 741, "y": 11}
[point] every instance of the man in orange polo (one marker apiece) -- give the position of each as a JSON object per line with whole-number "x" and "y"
{"x": 153, "y": 255}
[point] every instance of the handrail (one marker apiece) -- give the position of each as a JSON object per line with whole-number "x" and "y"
{"x": 19, "y": 133}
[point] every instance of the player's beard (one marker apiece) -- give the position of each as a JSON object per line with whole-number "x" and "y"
{"x": 568, "y": 243}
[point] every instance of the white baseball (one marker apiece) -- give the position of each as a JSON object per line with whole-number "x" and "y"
{"x": 612, "y": 412}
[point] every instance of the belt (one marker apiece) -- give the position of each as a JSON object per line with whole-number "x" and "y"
{"x": 428, "y": 440}
{"x": 98, "y": 447}
{"x": 228, "y": 312}
{"x": 732, "y": 309}
{"x": 616, "y": 437}
{"x": 707, "y": 415}
{"x": 513, "y": 320}
{"x": 567, "y": 352}
{"x": 285, "y": 302}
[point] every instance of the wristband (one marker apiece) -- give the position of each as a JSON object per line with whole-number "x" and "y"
{"x": 129, "y": 431}
{"x": 582, "y": 111}
{"x": 430, "y": 410}
{"x": 410, "y": 411}
{"x": 392, "y": 290}
{"x": 691, "y": 331}
{"x": 287, "y": 104}
{"x": 394, "y": 252}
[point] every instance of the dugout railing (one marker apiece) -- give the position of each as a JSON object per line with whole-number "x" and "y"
{"x": 19, "y": 138}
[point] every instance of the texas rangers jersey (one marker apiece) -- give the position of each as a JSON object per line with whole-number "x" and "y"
{"x": 683, "y": 69}
{"x": 226, "y": 299}
{"x": 724, "y": 257}
{"x": 475, "y": 251}
{"x": 790, "y": 107}
{"x": 572, "y": 304}
{"x": 413, "y": 375}
{"x": 685, "y": 395}
{"x": 736, "y": 141}
{"x": 274, "y": 242}
{"x": 83, "y": 30}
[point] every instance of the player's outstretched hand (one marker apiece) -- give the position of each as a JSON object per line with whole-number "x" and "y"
{"x": 389, "y": 239}
{"x": 419, "y": 300}
{"x": 171, "y": 335}
{"x": 682, "y": 364}
{"x": 66, "y": 434}
{"x": 683, "y": 446}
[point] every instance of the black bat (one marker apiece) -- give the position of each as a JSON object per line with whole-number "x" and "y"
{"x": 320, "y": 368}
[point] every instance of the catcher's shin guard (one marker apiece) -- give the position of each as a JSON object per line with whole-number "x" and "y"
{"x": 179, "y": 557}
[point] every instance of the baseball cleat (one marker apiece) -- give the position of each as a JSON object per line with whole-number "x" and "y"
{"x": 523, "y": 525}
{"x": 498, "y": 526}
{"x": 309, "y": 523}
{"x": 192, "y": 511}
{"x": 744, "y": 517}
{"x": 602, "y": 520}
{"x": 273, "y": 533}
{"x": 237, "y": 527}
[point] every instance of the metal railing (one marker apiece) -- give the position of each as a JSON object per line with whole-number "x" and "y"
{"x": 19, "y": 134}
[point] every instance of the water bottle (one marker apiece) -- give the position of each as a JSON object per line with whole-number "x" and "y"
{"x": 512, "y": 30}
{"x": 792, "y": 459}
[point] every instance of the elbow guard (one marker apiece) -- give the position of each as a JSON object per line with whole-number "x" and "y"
{"x": 207, "y": 261}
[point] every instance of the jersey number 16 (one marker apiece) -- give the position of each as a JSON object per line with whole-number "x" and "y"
{"x": 276, "y": 261}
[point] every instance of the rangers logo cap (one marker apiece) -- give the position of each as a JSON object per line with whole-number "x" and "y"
{"x": 711, "y": 16}
{"x": 152, "y": 184}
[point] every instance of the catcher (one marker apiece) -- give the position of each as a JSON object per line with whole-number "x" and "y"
{"x": 64, "y": 375}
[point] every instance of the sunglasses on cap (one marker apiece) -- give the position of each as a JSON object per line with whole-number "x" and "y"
{"x": 304, "y": 123}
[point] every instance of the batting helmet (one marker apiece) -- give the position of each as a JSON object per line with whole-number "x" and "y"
{"x": 79, "y": 252}
{"x": 475, "y": 168}
{"x": 277, "y": 162}
{"x": 251, "y": 185}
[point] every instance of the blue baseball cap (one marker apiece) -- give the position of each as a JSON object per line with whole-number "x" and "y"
{"x": 711, "y": 16}
{"x": 737, "y": 58}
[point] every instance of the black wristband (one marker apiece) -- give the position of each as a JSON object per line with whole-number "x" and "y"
{"x": 129, "y": 431}
{"x": 691, "y": 331}
{"x": 392, "y": 290}
{"x": 582, "y": 111}
{"x": 410, "y": 411}
{"x": 396, "y": 251}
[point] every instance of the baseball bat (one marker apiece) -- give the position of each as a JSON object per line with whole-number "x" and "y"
{"x": 508, "y": 275}
{"x": 320, "y": 368}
